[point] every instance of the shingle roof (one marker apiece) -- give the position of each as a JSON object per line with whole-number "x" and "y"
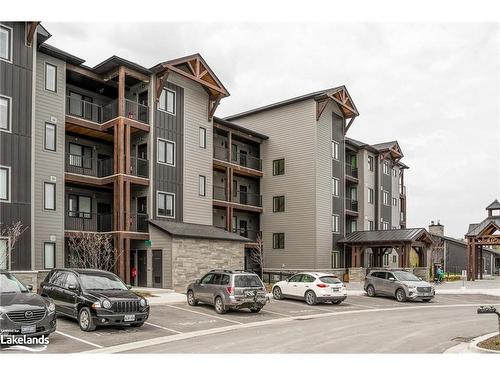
{"x": 385, "y": 236}
{"x": 232, "y": 125}
{"x": 478, "y": 228}
{"x": 196, "y": 230}
{"x": 495, "y": 205}
{"x": 384, "y": 145}
{"x": 451, "y": 239}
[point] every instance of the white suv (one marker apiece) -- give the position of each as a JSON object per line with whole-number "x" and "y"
{"x": 312, "y": 287}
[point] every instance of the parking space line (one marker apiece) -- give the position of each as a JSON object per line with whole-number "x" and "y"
{"x": 165, "y": 328}
{"x": 81, "y": 340}
{"x": 359, "y": 305}
{"x": 307, "y": 306}
{"x": 200, "y": 313}
{"x": 274, "y": 312}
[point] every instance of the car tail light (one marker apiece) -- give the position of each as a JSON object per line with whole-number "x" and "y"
{"x": 230, "y": 289}
{"x": 322, "y": 285}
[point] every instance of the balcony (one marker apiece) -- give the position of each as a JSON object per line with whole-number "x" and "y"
{"x": 351, "y": 205}
{"x": 86, "y": 166}
{"x": 220, "y": 193}
{"x": 251, "y": 234}
{"x": 239, "y": 197}
{"x": 243, "y": 160}
{"x": 139, "y": 167}
{"x": 88, "y": 221}
{"x": 221, "y": 153}
{"x": 138, "y": 222}
{"x": 136, "y": 111}
{"x": 351, "y": 171}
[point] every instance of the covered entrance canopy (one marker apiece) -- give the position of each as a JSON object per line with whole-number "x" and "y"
{"x": 485, "y": 233}
{"x": 383, "y": 241}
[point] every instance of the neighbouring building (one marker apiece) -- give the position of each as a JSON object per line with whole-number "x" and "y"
{"x": 447, "y": 252}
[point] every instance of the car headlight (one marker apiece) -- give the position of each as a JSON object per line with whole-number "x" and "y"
{"x": 106, "y": 304}
{"x": 143, "y": 302}
{"x": 412, "y": 288}
{"x": 51, "y": 307}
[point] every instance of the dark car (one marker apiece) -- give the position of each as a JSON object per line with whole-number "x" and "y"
{"x": 23, "y": 313}
{"x": 94, "y": 298}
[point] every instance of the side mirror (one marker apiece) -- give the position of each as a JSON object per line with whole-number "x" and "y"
{"x": 420, "y": 278}
{"x": 197, "y": 281}
{"x": 30, "y": 287}
{"x": 129, "y": 286}
{"x": 392, "y": 279}
{"x": 73, "y": 287}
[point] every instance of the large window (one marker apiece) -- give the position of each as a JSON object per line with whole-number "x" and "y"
{"x": 370, "y": 163}
{"x": 166, "y": 152}
{"x": 79, "y": 206}
{"x": 370, "y": 195}
{"x": 335, "y": 223}
{"x": 354, "y": 226}
{"x": 279, "y": 204}
{"x": 386, "y": 198}
{"x": 387, "y": 168}
{"x": 335, "y": 187}
{"x": 50, "y": 77}
{"x": 49, "y": 196}
{"x": 385, "y": 225}
{"x": 165, "y": 204}
{"x": 5, "y": 43}
{"x": 278, "y": 167}
{"x": 167, "y": 101}
{"x": 335, "y": 150}
{"x": 4, "y": 184}
{"x": 4, "y": 253}
{"x": 5, "y": 113}
{"x": 49, "y": 255}
{"x": 50, "y": 137}
{"x": 203, "y": 138}
{"x": 278, "y": 240}
{"x": 202, "y": 188}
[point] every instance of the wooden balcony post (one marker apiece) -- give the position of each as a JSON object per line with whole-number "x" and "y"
{"x": 121, "y": 91}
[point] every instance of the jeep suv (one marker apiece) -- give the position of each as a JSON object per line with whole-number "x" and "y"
{"x": 227, "y": 290}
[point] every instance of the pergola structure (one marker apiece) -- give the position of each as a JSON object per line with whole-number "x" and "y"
{"x": 383, "y": 241}
{"x": 485, "y": 233}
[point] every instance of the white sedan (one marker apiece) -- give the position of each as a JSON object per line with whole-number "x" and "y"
{"x": 312, "y": 287}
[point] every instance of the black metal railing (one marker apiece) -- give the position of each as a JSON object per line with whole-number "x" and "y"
{"x": 88, "y": 221}
{"x": 139, "y": 167}
{"x": 91, "y": 111}
{"x": 136, "y": 111}
{"x": 247, "y": 161}
{"x": 251, "y": 234}
{"x": 221, "y": 153}
{"x": 220, "y": 193}
{"x": 351, "y": 205}
{"x": 244, "y": 197}
{"x": 138, "y": 222}
{"x": 95, "y": 167}
{"x": 351, "y": 170}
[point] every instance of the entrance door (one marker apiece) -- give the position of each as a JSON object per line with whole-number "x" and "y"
{"x": 142, "y": 100}
{"x": 243, "y": 194}
{"x": 142, "y": 267}
{"x": 157, "y": 269}
{"x": 142, "y": 151}
{"x": 104, "y": 217}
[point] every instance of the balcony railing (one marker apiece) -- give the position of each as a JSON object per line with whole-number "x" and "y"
{"x": 250, "y": 199}
{"x": 251, "y": 234}
{"x": 221, "y": 153}
{"x": 79, "y": 164}
{"x": 247, "y": 161}
{"x": 88, "y": 221}
{"x": 351, "y": 171}
{"x": 351, "y": 205}
{"x": 138, "y": 222}
{"x": 139, "y": 167}
{"x": 90, "y": 111}
{"x": 136, "y": 111}
{"x": 220, "y": 193}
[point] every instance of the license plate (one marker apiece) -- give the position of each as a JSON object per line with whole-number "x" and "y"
{"x": 28, "y": 329}
{"x": 251, "y": 293}
{"x": 335, "y": 289}
{"x": 129, "y": 318}
{"x": 426, "y": 294}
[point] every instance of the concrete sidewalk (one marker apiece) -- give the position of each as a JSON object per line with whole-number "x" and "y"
{"x": 161, "y": 296}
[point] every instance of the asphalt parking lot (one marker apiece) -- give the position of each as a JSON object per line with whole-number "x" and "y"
{"x": 177, "y": 322}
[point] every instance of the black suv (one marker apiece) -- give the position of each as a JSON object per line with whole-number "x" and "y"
{"x": 94, "y": 298}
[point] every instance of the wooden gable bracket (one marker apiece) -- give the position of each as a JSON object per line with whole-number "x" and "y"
{"x": 342, "y": 104}
{"x": 346, "y": 128}
{"x": 320, "y": 107}
{"x": 31, "y": 32}
{"x": 160, "y": 84}
{"x": 213, "y": 103}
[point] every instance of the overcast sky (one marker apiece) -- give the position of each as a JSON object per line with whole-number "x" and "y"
{"x": 432, "y": 87}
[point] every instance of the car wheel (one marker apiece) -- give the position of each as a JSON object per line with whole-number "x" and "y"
{"x": 219, "y": 306}
{"x": 255, "y": 309}
{"x": 310, "y": 298}
{"x": 370, "y": 291}
{"x": 85, "y": 320}
{"x": 400, "y": 295}
{"x": 190, "y": 298}
{"x": 137, "y": 324}
{"x": 338, "y": 302}
{"x": 277, "y": 292}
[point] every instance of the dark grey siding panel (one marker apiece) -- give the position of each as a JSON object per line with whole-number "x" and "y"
{"x": 456, "y": 257}
{"x": 338, "y": 168}
{"x": 170, "y": 127}
{"x": 386, "y": 183}
{"x": 15, "y": 147}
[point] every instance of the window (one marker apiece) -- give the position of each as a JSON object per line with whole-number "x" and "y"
{"x": 279, "y": 204}
{"x": 335, "y": 259}
{"x": 203, "y": 138}
{"x": 50, "y": 77}
{"x": 278, "y": 240}
{"x": 278, "y": 167}
{"x": 79, "y": 206}
{"x": 49, "y": 255}
{"x": 395, "y": 172}
{"x": 394, "y": 202}
{"x": 5, "y": 43}
{"x": 49, "y": 194}
{"x": 370, "y": 163}
{"x": 335, "y": 150}
{"x": 385, "y": 225}
{"x": 335, "y": 186}
{"x": 394, "y": 259}
{"x": 387, "y": 168}
{"x": 370, "y": 195}
{"x": 166, "y": 152}
{"x": 5, "y": 113}
{"x": 371, "y": 225}
{"x": 80, "y": 156}
{"x": 167, "y": 101}
{"x": 202, "y": 188}
{"x": 354, "y": 226}
{"x": 4, "y": 253}
{"x": 50, "y": 137}
{"x": 296, "y": 278}
{"x": 386, "y": 260}
{"x": 308, "y": 279}
{"x": 165, "y": 204}
{"x": 336, "y": 223}
{"x": 4, "y": 184}
{"x": 386, "y": 198}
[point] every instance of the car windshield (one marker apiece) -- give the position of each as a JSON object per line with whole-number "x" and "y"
{"x": 244, "y": 281}
{"x": 330, "y": 280}
{"x": 9, "y": 284}
{"x": 101, "y": 282}
{"x": 405, "y": 276}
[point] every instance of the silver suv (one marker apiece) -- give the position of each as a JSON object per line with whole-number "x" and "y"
{"x": 400, "y": 284}
{"x": 227, "y": 290}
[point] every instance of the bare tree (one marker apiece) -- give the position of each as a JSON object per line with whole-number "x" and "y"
{"x": 257, "y": 254}
{"x": 92, "y": 250}
{"x": 12, "y": 232}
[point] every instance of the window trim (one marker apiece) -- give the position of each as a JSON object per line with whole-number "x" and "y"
{"x": 336, "y": 192}
{"x": 371, "y": 197}
{"x": 175, "y": 102}
{"x": 385, "y": 194}
{"x": 387, "y": 168}
{"x": 45, "y": 183}
{"x": 276, "y": 199}
{"x": 371, "y": 225}
{"x": 204, "y": 146}
{"x": 44, "y": 249}
{"x": 274, "y": 162}
{"x": 45, "y": 137}
{"x": 276, "y": 242}
{"x": 158, "y": 192}
{"x": 385, "y": 225}
{"x": 335, "y": 150}
{"x": 9, "y": 114}
{"x": 158, "y": 152}
{"x": 9, "y": 183}
{"x": 371, "y": 166}
{"x": 55, "y": 77}
{"x": 11, "y": 43}
{"x": 200, "y": 177}
{"x": 335, "y": 228}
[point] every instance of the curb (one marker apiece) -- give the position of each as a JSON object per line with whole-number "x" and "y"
{"x": 473, "y": 346}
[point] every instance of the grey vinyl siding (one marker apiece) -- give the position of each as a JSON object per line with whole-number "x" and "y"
{"x": 170, "y": 178}
{"x": 456, "y": 257}
{"x": 366, "y": 180}
{"x": 338, "y": 171}
{"x": 395, "y": 194}
{"x": 161, "y": 241}
{"x": 15, "y": 146}
{"x": 49, "y": 165}
{"x": 385, "y": 185}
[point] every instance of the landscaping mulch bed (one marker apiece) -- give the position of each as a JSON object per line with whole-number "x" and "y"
{"x": 493, "y": 343}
